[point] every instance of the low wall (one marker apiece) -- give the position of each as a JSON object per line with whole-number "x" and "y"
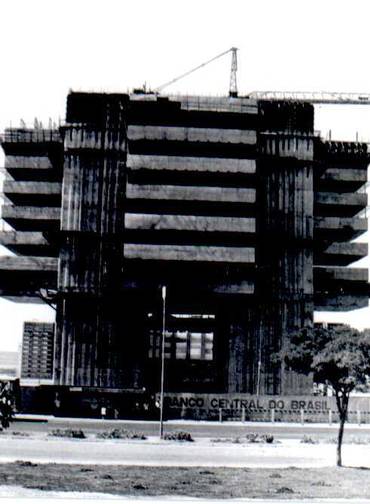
{"x": 246, "y": 407}
{"x": 69, "y": 401}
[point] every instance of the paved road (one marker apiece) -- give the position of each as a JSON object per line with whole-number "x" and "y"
{"x": 203, "y": 452}
{"x": 164, "y": 453}
{"x": 24, "y": 496}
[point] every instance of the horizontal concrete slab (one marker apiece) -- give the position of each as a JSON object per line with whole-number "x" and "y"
{"x": 347, "y": 248}
{"x": 38, "y": 213}
{"x": 189, "y": 253}
{"x": 176, "y": 133}
{"x": 347, "y": 274}
{"x": 344, "y": 175}
{"x": 186, "y": 163}
{"x": 21, "y": 263}
{"x": 190, "y": 223}
{"x": 20, "y": 187}
{"x": 340, "y": 254}
{"x": 341, "y": 223}
{"x": 218, "y": 104}
{"x": 40, "y": 162}
{"x": 172, "y": 192}
{"x": 211, "y": 103}
{"x": 330, "y": 198}
{"x": 22, "y": 238}
{"x": 340, "y": 303}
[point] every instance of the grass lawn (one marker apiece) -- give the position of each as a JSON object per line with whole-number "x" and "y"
{"x": 195, "y": 482}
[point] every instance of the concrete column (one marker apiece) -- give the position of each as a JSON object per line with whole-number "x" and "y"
{"x": 91, "y": 336}
{"x": 284, "y": 253}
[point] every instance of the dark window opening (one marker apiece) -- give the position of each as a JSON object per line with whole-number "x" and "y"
{"x": 182, "y": 343}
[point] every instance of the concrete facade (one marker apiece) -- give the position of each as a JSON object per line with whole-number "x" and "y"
{"x": 236, "y": 205}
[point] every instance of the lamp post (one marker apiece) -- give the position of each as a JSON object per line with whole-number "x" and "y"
{"x": 259, "y": 364}
{"x": 164, "y": 289}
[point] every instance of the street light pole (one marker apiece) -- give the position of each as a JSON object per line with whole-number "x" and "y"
{"x": 164, "y": 289}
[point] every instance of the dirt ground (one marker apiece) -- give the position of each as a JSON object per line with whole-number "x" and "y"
{"x": 203, "y": 482}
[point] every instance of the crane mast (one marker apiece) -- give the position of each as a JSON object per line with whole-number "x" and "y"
{"x": 233, "y": 91}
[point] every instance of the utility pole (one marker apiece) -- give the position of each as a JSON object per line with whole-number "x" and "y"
{"x": 164, "y": 289}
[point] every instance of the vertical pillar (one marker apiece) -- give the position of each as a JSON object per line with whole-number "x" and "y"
{"x": 284, "y": 252}
{"x": 89, "y": 330}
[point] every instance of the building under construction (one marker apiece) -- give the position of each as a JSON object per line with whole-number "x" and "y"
{"x": 234, "y": 204}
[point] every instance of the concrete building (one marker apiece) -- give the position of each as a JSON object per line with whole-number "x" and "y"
{"x": 236, "y": 205}
{"x": 37, "y": 352}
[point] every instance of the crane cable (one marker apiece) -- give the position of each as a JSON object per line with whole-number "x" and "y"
{"x": 159, "y": 88}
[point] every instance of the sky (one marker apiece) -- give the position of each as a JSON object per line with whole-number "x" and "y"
{"x": 51, "y": 46}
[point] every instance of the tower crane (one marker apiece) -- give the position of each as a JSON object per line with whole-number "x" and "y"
{"x": 321, "y": 97}
{"x": 233, "y": 89}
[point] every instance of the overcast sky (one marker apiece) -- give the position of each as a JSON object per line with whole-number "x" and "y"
{"x": 51, "y": 46}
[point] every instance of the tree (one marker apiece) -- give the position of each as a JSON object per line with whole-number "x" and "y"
{"x": 339, "y": 356}
{"x": 6, "y": 404}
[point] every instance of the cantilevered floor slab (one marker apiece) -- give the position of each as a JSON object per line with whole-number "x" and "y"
{"x": 341, "y": 205}
{"x": 29, "y": 218}
{"x": 21, "y": 278}
{"x": 41, "y": 194}
{"x": 341, "y": 289}
{"x": 28, "y": 243}
{"x": 22, "y": 263}
{"x": 339, "y": 228}
{"x": 340, "y": 254}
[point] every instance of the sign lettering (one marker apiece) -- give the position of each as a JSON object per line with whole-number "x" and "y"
{"x": 248, "y": 402}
